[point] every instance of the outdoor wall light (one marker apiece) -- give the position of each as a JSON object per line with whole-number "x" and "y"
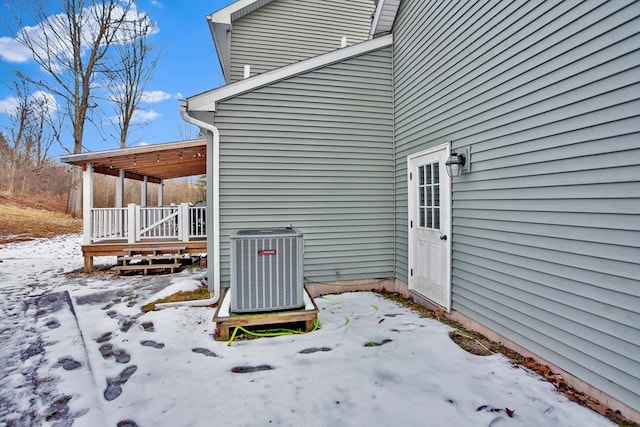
{"x": 454, "y": 164}
{"x": 458, "y": 162}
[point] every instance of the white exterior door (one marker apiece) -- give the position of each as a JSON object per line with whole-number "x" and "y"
{"x": 430, "y": 225}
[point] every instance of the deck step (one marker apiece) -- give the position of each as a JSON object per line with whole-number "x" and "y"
{"x": 155, "y": 250}
{"x": 150, "y": 258}
{"x": 146, "y": 267}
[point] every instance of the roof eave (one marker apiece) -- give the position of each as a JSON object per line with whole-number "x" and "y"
{"x": 384, "y": 17}
{"x": 220, "y": 23}
{"x": 92, "y": 155}
{"x": 219, "y": 34}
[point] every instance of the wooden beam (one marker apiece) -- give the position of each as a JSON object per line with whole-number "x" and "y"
{"x": 128, "y": 175}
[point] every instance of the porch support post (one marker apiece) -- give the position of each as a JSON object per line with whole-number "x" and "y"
{"x": 143, "y": 192}
{"x": 120, "y": 190}
{"x": 161, "y": 192}
{"x": 87, "y": 203}
{"x": 133, "y": 223}
{"x": 87, "y": 217}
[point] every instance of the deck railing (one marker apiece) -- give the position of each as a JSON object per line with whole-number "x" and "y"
{"x": 109, "y": 224}
{"x": 197, "y": 221}
{"x": 158, "y": 223}
{"x": 134, "y": 223}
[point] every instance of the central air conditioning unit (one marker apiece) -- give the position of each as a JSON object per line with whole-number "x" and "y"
{"x": 266, "y": 270}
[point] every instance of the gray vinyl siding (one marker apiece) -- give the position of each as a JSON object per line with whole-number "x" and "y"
{"x": 287, "y": 31}
{"x": 315, "y": 151}
{"x": 546, "y": 227}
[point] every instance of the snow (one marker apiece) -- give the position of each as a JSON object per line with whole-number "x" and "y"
{"x": 372, "y": 362}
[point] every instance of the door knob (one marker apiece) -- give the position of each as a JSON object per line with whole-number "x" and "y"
{"x": 443, "y": 237}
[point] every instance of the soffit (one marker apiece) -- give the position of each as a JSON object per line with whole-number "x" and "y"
{"x": 220, "y": 25}
{"x": 384, "y": 17}
{"x": 156, "y": 162}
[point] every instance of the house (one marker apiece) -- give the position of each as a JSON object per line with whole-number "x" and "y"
{"x": 338, "y": 117}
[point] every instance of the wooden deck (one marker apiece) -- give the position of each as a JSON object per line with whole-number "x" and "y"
{"x": 120, "y": 249}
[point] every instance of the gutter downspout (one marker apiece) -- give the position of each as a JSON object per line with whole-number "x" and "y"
{"x": 213, "y": 216}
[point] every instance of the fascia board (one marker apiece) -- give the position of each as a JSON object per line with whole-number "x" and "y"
{"x": 221, "y": 45}
{"x": 223, "y": 15}
{"x": 220, "y": 23}
{"x": 248, "y": 9}
{"x": 97, "y": 155}
{"x": 207, "y": 101}
{"x": 376, "y": 18}
{"x": 388, "y": 8}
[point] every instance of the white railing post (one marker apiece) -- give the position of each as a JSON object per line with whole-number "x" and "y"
{"x": 133, "y": 219}
{"x": 138, "y": 225}
{"x": 184, "y": 221}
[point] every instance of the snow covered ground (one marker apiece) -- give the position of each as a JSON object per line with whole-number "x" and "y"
{"x": 372, "y": 363}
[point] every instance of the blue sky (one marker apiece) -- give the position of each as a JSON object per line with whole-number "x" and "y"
{"x": 188, "y": 65}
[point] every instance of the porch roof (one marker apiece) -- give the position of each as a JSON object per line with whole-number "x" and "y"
{"x": 156, "y": 162}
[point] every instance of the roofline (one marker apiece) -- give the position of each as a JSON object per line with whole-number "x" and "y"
{"x": 388, "y": 6}
{"x": 217, "y": 44}
{"x": 223, "y": 15}
{"x": 96, "y": 155}
{"x": 376, "y": 18}
{"x": 207, "y": 101}
{"x": 220, "y": 22}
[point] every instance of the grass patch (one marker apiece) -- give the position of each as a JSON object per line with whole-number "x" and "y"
{"x": 200, "y": 293}
{"x": 23, "y": 223}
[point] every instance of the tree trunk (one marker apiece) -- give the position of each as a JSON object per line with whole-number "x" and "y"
{"x": 74, "y": 202}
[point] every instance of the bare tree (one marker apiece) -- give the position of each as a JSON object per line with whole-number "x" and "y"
{"x": 44, "y": 128}
{"x": 70, "y": 46}
{"x": 29, "y": 137}
{"x": 133, "y": 62}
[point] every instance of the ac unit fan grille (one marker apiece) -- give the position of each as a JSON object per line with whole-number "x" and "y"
{"x": 266, "y": 273}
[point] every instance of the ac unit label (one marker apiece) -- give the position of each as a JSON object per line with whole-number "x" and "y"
{"x": 263, "y": 252}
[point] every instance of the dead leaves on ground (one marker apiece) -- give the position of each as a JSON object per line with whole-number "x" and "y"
{"x": 20, "y": 224}
{"x": 489, "y": 408}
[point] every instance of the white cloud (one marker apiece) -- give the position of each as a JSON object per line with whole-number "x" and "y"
{"x": 144, "y": 116}
{"x": 45, "y": 102}
{"x": 42, "y": 103}
{"x": 155, "y": 96}
{"x": 157, "y": 4}
{"x": 8, "y": 105}
{"x": 12, "y": 50}
{"x": 47, "y": 45}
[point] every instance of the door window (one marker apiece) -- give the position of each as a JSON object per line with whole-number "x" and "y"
{"x": 429, "y": 195}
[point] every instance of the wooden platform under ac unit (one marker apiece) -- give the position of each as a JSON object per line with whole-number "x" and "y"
{"x": 226, "y": 321}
